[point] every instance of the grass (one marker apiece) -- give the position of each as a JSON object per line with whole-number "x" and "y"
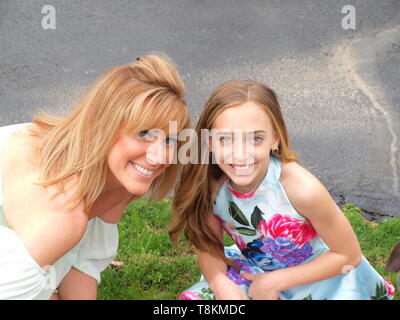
{"x": 153, "y": 270}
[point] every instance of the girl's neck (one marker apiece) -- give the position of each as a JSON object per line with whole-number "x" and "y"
{"x": 244, "y": 191}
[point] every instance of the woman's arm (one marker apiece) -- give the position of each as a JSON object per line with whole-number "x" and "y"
{"x": 77, "y": 285}
{"x": 312, "y": 201}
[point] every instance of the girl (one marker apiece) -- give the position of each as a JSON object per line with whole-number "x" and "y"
{"x": 292, "y": 240}
{"x": 67, "y": 180}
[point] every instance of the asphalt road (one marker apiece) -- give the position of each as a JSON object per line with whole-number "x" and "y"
{"x": 338, "y": 87}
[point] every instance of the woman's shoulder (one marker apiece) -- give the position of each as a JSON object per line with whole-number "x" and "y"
{"x": 43, "y": 220}
{"x": 18, "y": 144}
{"x": 39, "y": 215}
{"x": 300, "y": 185}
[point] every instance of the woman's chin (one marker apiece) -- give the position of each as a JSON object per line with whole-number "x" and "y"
{"x": 137, "y": 189}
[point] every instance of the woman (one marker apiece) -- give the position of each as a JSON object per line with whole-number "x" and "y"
{"x": 67, "y": 180}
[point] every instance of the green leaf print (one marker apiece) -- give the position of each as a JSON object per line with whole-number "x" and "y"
{"x": 206, "y": 294}
{"x": 380, "y": 292}
{"x": 246, "y": 231}
{"x": 237, "y": 214}
{"x": 256, "y": 217}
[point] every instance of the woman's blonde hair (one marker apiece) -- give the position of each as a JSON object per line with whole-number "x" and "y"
{"x": 192, "y": 201}
{"x": 142, "y": 95}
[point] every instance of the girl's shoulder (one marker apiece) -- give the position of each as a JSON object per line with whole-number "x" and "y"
{"x": 294, "y": 172}
{"x": 301, "y": 186}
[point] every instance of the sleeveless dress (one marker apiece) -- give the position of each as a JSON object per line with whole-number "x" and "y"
{"x": 21, "y": 277}
{"x": 269, "y": 235}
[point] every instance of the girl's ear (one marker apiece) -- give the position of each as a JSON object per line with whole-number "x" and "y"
{"x": 275, "y": 144}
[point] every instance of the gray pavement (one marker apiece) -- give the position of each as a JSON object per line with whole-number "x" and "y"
{"x": 338, "y": 88}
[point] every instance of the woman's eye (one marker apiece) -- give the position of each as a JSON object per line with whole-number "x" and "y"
{"x": 170, "y": 141}
{"x": 147, "y": 135}
{"x": 143, "y": 133}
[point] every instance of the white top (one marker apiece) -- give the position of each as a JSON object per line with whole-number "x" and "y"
{"x": 20, "y": 275}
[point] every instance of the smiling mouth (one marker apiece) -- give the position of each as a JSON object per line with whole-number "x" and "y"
{"x": 242, "y": 169}
{"x": 142, "y": 171}
{"x": 242, "y": 166}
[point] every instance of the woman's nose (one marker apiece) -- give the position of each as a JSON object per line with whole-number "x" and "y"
{"x": 156, "y": 154}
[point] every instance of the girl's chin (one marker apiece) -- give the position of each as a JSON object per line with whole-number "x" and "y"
{"x": 241, "y": 180}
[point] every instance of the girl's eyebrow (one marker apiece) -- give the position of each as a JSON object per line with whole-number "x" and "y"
{"x": 232, "y": 131}
{"x": 260, "y": 131}
{"x": 223, "y": 132}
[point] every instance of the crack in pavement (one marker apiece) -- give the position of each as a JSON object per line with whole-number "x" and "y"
{"x": 347, "y": 56}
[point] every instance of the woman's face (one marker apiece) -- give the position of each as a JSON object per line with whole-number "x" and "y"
{"x": 242, "y": 140}
{"x": 136, "y": 160}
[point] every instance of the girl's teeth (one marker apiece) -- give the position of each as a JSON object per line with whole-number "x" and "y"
{"x": 143, "y": 170}
{"x": 243, "y": 167}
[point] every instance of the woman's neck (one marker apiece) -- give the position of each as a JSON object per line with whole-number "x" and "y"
{"x": 113, "y": 195}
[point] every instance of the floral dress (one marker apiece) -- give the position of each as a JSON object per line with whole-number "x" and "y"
{"x": 269, "y": 235}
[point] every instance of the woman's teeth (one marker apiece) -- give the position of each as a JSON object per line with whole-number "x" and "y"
{"x": 143, "y": 170}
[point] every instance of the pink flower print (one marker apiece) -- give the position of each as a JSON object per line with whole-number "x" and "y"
{"x": 390, "y": 288}
{"x": 188, "y": 295}
{"x": 296, "y": 230}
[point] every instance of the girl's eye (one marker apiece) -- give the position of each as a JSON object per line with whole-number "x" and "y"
{"x": 256, "y": 139}
{"x": 225, "y": 139}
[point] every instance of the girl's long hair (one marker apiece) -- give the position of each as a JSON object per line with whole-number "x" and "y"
{"x": 142, "y": 95}
{"x": 192, "y": 197}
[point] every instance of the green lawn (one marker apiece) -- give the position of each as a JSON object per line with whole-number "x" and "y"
{"x": 153, "y": 270}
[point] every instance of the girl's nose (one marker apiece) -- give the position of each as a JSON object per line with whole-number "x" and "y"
{"x": 243, "y": 153}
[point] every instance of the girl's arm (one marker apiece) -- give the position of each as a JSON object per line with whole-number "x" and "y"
{"x": 313, "y": 201}
{"x": 214, "y": 269}
{"x": 77, "y": 285}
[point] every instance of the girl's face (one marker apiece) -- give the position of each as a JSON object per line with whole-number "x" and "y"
{"x": 242, "y": 139}
{"x": 136, "y": 160}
